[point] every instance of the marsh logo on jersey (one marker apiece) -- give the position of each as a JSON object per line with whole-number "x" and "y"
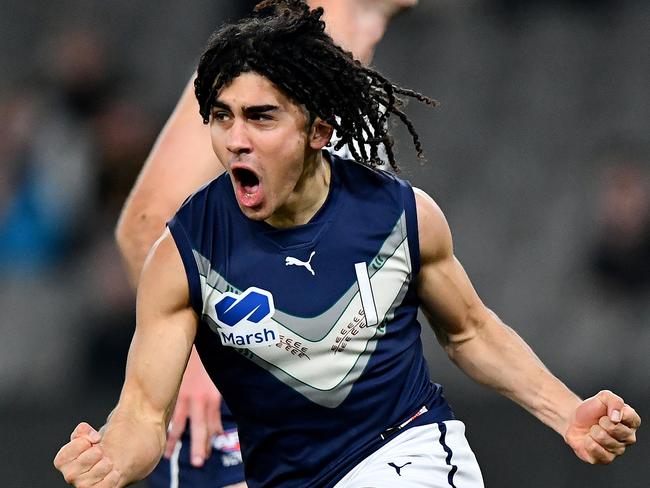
{"x": 245, "y": 319}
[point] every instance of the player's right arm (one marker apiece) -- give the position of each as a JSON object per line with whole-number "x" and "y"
{"x": 181, "y": 161}
{"x": 598, "y": 429}
{"x": 133, "y": 439}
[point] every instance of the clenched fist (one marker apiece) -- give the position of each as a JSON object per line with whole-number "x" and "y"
{"x": 83, "y": 462}
{"x": 602, "y": 427}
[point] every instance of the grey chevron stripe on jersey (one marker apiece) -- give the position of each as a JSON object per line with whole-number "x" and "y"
{"x": 304, "y": 326}
{"x": 333, "y": 394}
{"x": 322, "y": 357}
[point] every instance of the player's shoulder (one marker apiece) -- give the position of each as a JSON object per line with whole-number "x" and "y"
{"x": 163, "y": 275}
{"x": 209, "y": 190}
{"x": 426, "y": 206}
{"x": 433, "y": 229}
{"x": 210, "y": 194}
{"x": 358, "y": 174}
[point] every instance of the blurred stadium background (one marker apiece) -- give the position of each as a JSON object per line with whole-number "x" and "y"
{"x": 539, "y": 156}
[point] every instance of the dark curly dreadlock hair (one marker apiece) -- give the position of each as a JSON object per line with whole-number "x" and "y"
{"x": 286, "y": 42}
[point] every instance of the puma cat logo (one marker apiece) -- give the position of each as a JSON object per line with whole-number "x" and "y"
{"x": 398, "y": 468}
{"x": 291, "y": 261}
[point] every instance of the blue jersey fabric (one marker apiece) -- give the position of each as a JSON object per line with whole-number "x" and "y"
{"x": 328, "y": 387}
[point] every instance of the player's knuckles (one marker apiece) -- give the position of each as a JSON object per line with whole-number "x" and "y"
{"x": 620, "y": 431}
{"x": 610, "y": 396}
{"x": 98, "y": 472}
{"x": 67, "y": 476}
{"x": 90, "y": 457}
{"x": 83, "y": 484}
{"x": 631, "y": 418}
{"x": 604, "y": 439}
{"x": 71, "y": 476}
{"x": 597, "y": 454}
{"x": 627, "y": 438}
{"x": 624, "y": 434}
{"x": 102, "y": 468}
{"x": 111, "y": 480}
{"x": 631, "y": 439}
{"x": 598, "y": 434}
{"x": 607, "y": 424}
{"x": 82, "y": 428}
{"x": 71, "y": 451}
{"x": 59, "y": 458}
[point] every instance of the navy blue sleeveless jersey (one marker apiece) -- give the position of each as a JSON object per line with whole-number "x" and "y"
{"x": 311, "y": 333}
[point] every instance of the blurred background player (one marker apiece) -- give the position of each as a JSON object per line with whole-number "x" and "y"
{"x": 182, "y": 160}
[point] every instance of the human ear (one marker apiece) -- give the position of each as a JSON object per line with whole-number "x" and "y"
{"x": 320, "y": 134}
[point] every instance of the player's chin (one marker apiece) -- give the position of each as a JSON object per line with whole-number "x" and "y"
{"x": 258, "y": 212}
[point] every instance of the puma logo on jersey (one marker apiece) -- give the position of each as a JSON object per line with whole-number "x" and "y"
{"x": 291, "y": 261}
{"x": 399, "y": 468}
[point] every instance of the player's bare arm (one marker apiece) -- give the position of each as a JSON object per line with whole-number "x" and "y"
{"x": 133, "y": 439}
{"x": 598, "y": 429}
{"x": 358, "y": 25}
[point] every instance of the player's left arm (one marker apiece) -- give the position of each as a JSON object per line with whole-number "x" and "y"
{"x": 491, "y": 353}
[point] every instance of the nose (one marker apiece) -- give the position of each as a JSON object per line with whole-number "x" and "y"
{"x": 237, "y": 138}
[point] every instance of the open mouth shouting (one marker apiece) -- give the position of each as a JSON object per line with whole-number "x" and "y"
{"x": 247, "y": 186}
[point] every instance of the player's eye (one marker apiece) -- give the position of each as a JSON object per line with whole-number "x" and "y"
{"x": 220, "y": 115}
{"x": 259, "y": 117}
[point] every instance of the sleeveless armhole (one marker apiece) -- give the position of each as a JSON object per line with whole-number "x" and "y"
{"x": 408, "y": 197}
{"x": 185, "y": 249}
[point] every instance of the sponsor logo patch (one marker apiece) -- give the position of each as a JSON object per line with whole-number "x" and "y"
{"x": 245, "y": 320}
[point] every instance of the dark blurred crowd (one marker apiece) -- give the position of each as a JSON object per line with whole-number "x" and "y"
{"x": 621, "y": 257}
{"x": 71, "y": 144}
{"x": 72, "y": 139}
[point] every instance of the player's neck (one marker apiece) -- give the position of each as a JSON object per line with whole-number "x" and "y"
{"x": 307, "y": 197}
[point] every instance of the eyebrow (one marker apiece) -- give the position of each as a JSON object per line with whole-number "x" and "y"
{"x": 259, "y": 109}
{"x": 253, "y": 109}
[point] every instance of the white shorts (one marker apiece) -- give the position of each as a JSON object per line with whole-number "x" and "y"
{"x": 427, "y": 456}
